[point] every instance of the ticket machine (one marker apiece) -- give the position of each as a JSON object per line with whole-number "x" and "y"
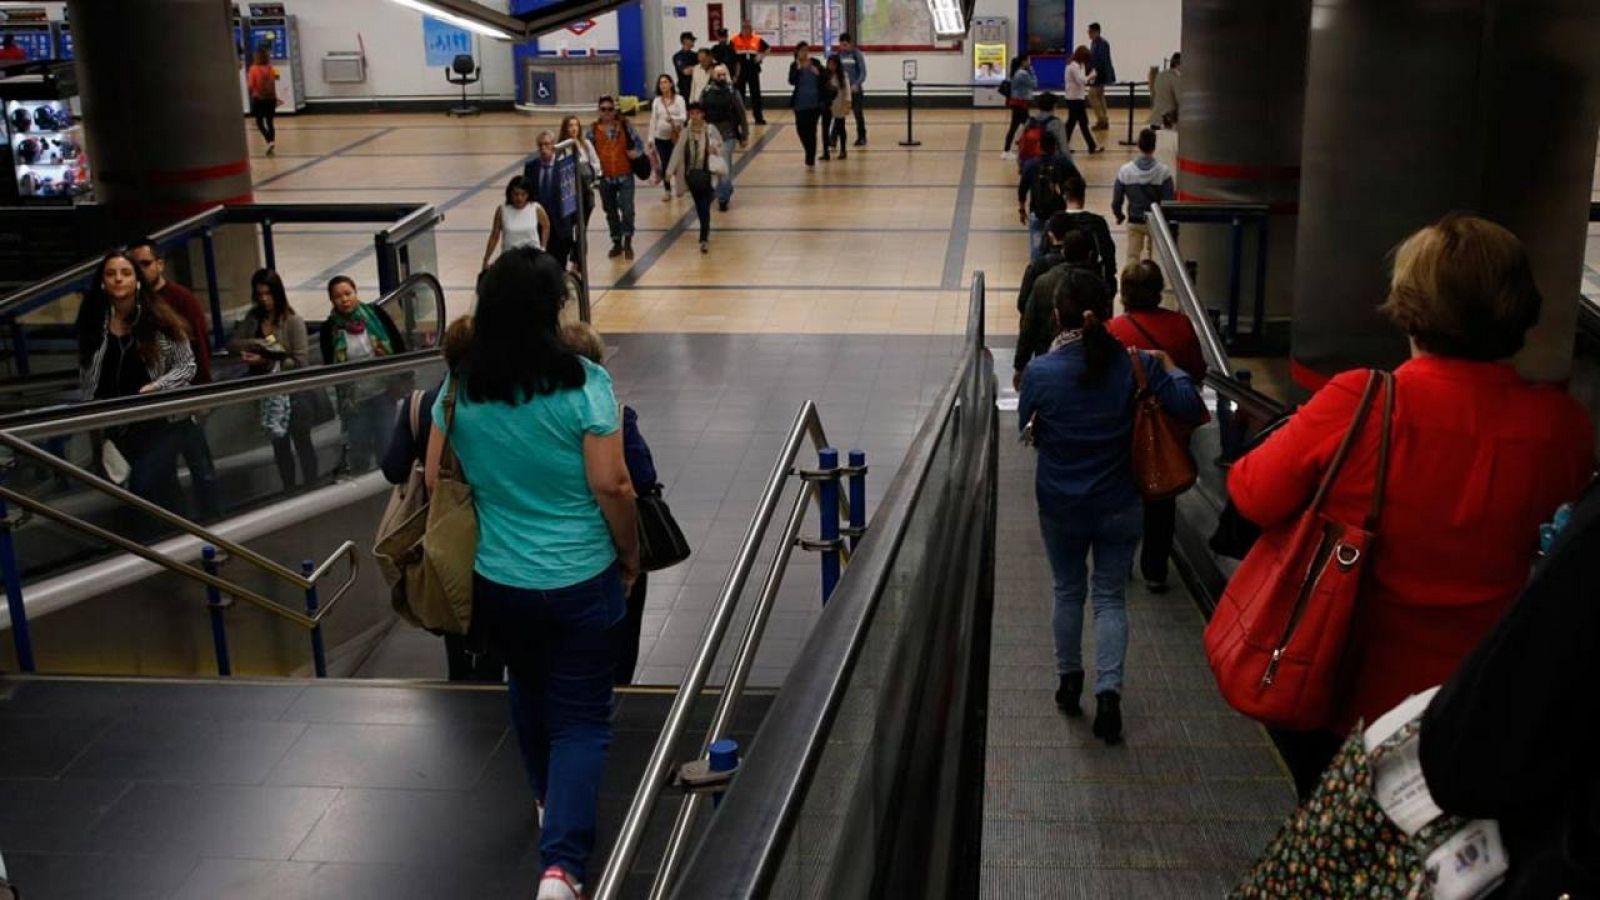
{"x": 270, "y": 26}
{"x": 991, "y": 59}
{"x": 33, "y": 31}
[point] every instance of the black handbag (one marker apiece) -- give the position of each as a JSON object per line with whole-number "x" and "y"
{"x": 661, "y": 541}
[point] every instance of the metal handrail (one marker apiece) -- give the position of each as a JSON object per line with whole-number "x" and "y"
{"x": 655, "y": 778}
{"x": 1171, "y": 262}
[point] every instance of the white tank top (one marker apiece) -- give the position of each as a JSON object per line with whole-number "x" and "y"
{"x": 519, "y": 227}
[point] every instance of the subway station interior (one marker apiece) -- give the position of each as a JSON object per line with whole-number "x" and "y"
{"x": 1145, "y": 452}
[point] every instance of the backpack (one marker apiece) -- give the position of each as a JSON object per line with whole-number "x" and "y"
{"x": 1085, "y": 225}
{"x": 1031, "y": 143}
{"x": 717, "y": 101}
{"x": 1045, "y": 197}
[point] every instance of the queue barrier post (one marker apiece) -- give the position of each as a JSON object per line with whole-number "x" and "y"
{"x": 911, "y": 140}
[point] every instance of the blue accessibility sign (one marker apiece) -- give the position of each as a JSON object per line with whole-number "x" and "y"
{"x": 567, "y": 173}
{"x": 542, "y": 88}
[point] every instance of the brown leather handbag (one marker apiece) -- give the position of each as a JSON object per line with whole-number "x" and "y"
{"x": 1162, "y": 464}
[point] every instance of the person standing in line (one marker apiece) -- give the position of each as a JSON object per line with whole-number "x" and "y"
{"x": 1037, "y": 327}
{"x": 1042, "y": 190}
{"x": 1143, "y": 181}
{"x": 684, "y": 63}
{"x": 854, "y": 63}
{"x": 353, "y": 331}
{"x": 1030, "y": 143}
{"x": 693, "y": 168}
{"x": 725, "y": 111}
{"x": 752, "y": 50}
{"x": 273, "y": 338}
{"x": 193, "y": 446}
{"x": 668, "y": 115}
{"x": 1094, "y": 226}
{"x": 1023, "y": 84}
{"x": 1077, "y": 402}
{"x": 702, "y": 75}
{"x": 521, "y": 221}
{"x": 723, "y": 53}
{"x": 588, "y": 174}
{"x": 807, "y": 77}
{"x": 1164, "y": 94}
{"x": 615, "y": 142}
{"x": 536, "y": 431}
{"x": 262, "y": 81}
{"x": 1079, "y": 77}
{"x": 1105, "y": 74}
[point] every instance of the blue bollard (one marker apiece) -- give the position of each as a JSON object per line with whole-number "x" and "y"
{"x": 828, "y": 500}
{"x": 20, "y": 636}
{"x": 858, "y": 497}
{"x": 724, "y": 757}
{"x": 219, "y": 628}
{"x": 319, "y": 656}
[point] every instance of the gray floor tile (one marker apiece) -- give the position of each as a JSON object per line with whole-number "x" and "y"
{"x": 210, "y": 820}
{"x": 192, "y": 751}
{"x": 425, "y": 757}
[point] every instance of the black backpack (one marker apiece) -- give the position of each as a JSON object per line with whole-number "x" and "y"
{"x": 717, "y": 101}
{"x": 1045, "y": 195}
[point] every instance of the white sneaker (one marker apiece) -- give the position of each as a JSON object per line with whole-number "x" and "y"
{"x": 555, "y": 884}
{"x": 271, "y": 148}
{"x": 1008, "y": 156}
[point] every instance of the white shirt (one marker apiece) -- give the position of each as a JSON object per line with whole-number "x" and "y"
{"x": 698, "y": 82}
{"x": 664, "y": 117}
{"x": 519, "y": 227}
{"x": 1077, "y": 82}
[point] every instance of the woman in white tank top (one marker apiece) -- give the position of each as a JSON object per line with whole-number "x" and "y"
{"x": 519, "y": 223}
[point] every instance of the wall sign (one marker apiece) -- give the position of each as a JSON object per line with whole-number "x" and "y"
{"x": 442, "y": 42}
{"x": 908, "y": 69}
{"x": 581, "y": 27}
{"x": 542, "y": 88}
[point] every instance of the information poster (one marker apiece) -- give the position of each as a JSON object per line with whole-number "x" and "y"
{"x": 764, "y": 20}
{"x": 443, "y": 42}
{"x": 796, "y": 25}
{"x": 989, "y": 63}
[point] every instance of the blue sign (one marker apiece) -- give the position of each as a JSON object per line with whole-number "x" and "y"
{"x": 274, "y": 37}
{"x": 567, "y": 171}
{"x": 543, "y": 87}
{"x": 444, "y": 42}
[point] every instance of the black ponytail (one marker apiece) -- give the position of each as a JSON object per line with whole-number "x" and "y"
{"x": 1082, "y": 302}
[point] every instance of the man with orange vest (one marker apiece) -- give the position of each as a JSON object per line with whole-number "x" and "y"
{"x": 616, "y": 144}
{"x": 752, "y": 51}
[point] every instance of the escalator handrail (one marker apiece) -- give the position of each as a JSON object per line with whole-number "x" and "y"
{"x": 1166, "y": 251}
{"x": 79, "y": 417}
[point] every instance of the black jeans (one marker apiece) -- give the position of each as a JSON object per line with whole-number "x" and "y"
{"x": 702, "y": 209}
{"x": 1160, "y": 524}
{"x": 860, "y": 108}
{"x": 664, "y": 154}
{"x": 749, "y": 87}
{"x": 1019, "y": 117}
{"x": 263, "y": 112}
{"x": 297, "y": 443}
{"x": 805, "y": 122}
{"x": 196, "y": 453}
{"x": 1078, "y": 114}
{"x": 626, "y": 638}
{"x": 835, "y": 135}
{"x": 470, "y": 658}
{"x": 826, "y": 127}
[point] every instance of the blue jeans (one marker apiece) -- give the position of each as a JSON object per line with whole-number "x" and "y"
{"x": 1035, "y": 237}
{"x": 616, "y": 195}
{"x": 725, "y": 186}
{"x": 559, "y": 645}
{"x": 1069, "y": 536}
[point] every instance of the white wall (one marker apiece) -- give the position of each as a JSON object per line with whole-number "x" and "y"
{"x": 1142, "y": 32}
{"x": 393, "y": 37}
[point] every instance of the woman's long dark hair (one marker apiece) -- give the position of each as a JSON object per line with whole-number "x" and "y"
{"x": 151, "y": 316}
{"x": 1016, "y": 63}
{"x": 516, "y": 350}
{"x": 1082, "y": 302}
{"x": 280, "y": 299}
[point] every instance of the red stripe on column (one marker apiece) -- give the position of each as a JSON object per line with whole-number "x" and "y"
{"x": 180, "y": 176}
{"x": 1307, "y": 377}
{"x": 1192, "y": 197}
{"x": 1230, "y": 170}
{"x": 198, "y": 206}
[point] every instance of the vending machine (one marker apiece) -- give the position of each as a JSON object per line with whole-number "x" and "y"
{"x": 270, "y": 26}
{"x": 44, "y": 152}
{"x": 991, "y": 56}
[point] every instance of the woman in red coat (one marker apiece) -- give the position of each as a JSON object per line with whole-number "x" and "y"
{"x": 1479, "y": 457}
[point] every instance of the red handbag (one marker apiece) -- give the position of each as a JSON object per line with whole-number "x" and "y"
{"x": 1277, "y": 637}
{"x": 1162, "y": 465}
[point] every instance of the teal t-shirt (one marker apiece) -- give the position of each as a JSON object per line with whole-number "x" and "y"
{"x": 539, "y": 525}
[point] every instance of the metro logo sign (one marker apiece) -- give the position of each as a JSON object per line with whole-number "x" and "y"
{"x": 581, "y": 27}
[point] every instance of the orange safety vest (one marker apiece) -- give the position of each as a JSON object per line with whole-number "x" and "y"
{"x": 752, "y": 45}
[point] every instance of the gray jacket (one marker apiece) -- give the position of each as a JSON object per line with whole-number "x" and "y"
{"x": 292, "y": 334}
{"x": 854, "y": 63}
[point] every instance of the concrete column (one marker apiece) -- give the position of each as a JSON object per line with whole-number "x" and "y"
{"x": 1415, "y": 109}
{"x": 1244, "y": 76}
{"x": 160, "y": 92}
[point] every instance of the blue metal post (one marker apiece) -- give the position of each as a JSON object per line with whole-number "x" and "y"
{"x": 1235, "y": 275}
{"x": 19, "y": 346}
{"x": 219, "y": 628}
{"x": 828, "y": 500}
{"x": 319, "y": 657}
{"x": 208, "y": 245}
{"x": 268, "y": 251}
{"x": 723, "y": 757}
{"x": 858, "y": 497}
{"x": 20, "y": 635}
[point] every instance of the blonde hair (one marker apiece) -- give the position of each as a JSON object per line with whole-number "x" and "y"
{"x": 1463, "y": 287}
{"x": 584, "y": 341}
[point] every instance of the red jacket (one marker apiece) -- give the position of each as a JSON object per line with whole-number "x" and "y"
{"x": 1478, "y": 459}
{"x": 1166, "y": 330}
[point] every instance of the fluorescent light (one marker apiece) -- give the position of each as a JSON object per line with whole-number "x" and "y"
{"x": 456, "y": 15}
{"x": 948, "y": 21}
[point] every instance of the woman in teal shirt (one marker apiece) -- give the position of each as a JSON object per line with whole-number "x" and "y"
{"x": 538, "y": 434}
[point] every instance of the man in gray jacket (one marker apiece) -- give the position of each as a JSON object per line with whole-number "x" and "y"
{"x": 854, "y": 64}
{"x": 1144, "y": 181}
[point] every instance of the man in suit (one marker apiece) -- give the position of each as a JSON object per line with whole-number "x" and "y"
{"x": 544, "y": 183}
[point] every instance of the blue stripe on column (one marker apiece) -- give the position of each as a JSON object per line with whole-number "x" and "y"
{"x": 630, "y": 44}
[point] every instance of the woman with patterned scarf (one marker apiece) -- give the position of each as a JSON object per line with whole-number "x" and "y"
{"x": 356, "y": 331}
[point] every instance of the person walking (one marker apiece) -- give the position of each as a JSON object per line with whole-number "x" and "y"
{"x": 684, "y": 63}
{"x": 694, "y": 168}
{"x": 272, "y": 337}
{"x": 722, "y": 53}
{"x": 588, "y": 175}
{"x": 855, "y": 69}
{"x": 1042, "y": 190}
{"x": 751, "y": 50}
{"x": 1077, "y": 401}
{"x": 1079, "y": 78}
{"x": 536, "y": 430}
{"x": 1479, "y": 459}
{"x": 1023, "y": 84}
{"x": 261, "y": 79}
{"x": 1147, "y": 326}
{"x": 725, "y": 112}
{"x": 1037, "y": 326}
{"x": 615, "y": 144}
{"x": 1094, "y": 226}
{"x": 1143, "y": 182}
{"x": 836, "y": 93}
{"x": 1105, "y": 74}
{"x": 521, "y": 221}
{"x": 808, "y": 79}
{"x": 541, "y": 189}
{"x": 702, "y": 75}
{"x": 1030, "y": 143}
{"x": 668, "y": 115}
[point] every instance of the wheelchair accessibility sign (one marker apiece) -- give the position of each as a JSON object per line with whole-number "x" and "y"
{"x": 542, "y": 88}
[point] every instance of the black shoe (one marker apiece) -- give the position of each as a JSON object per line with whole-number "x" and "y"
{"x": 861, "y": 142}
{"x": 843, "y": 154}
{"x": 1067, "y": 694}
{"x": 616, "y": 250}
{"x": 760, "y": 121}
{"x": 722, "y": 205}
{"x": 627, "y": 247}
{"x": 1108, "y": 717}
{"x": 825, "y": 157}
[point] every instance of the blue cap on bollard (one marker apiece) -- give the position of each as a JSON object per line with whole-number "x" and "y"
{"x": 724, "y": 755}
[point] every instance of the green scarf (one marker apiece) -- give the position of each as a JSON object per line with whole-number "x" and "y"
{"x": 363, "y": 318}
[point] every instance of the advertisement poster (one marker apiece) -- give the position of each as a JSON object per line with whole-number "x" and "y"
{"x": 443, "y": 42}
{"x": 714, "y": 22}
{"x": 796, "y": 25}
{"x": 764, "y": 19}
{"x": 989, "y": 63}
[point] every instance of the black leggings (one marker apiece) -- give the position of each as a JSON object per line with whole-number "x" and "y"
{"x": 1019, "y": 117}
{"x": 1078, "y": 114}
{"x": 805, "y": 122}
{"x": 836, "y": 133}
{"x": 702, "y": 209}
{"x": 1160, "y": 525}
{"x": 264, "y": 111}
{"x": 296, "y": 444}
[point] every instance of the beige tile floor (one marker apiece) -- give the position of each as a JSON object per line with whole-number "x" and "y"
{"x": 885, "y": 242}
